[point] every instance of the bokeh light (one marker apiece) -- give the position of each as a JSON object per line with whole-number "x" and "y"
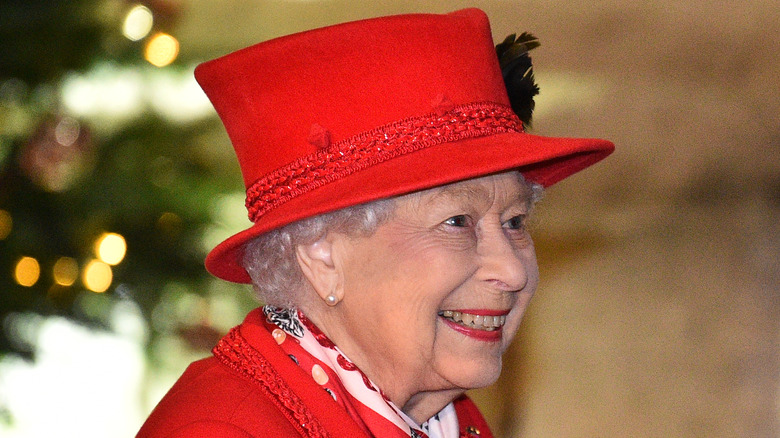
{"x": 6, "y": 224}
{"x": 161, "y": 50}
{"x": 66, "y": 271}
{"x": 174, "y": 94}
{"x": 107, "y": 94}
{"x": 27, "y": 271}
{"x": 97, "y": 276}
{"x": 111, "y": 248}
{"x": 138, "y": 23}
{"x": 67, "y": 131}
{"x": 170, "y": 225}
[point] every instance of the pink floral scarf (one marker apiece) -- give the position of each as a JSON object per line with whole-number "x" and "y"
{"x": 354, "y": 391}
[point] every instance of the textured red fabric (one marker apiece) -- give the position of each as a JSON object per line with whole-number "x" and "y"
{"x": 369, "y": 149}
{"x": 348, "y": 80}
{"x": 472, "y": 423}
{"x": 222, "y": 396}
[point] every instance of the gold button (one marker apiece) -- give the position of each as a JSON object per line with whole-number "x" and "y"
{"x": 472, "y": 430}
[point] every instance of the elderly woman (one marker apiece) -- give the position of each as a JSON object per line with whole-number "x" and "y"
{"x": 389, "y": 179}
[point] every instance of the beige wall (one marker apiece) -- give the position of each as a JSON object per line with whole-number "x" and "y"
{"x": 659, "y": 312}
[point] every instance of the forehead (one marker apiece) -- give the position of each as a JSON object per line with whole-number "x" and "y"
{"x": 508, "y": 188}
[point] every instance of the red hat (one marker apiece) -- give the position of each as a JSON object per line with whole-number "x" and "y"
{"x": 347, "y": 114}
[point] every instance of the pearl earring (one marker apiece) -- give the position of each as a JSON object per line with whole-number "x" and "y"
{"x": 331, "y": 300}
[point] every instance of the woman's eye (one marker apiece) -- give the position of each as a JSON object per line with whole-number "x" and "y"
{"x": 515, "y": 223}
{"x": 458, "y": 221}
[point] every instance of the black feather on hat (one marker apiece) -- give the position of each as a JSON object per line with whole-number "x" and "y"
{"x": 518, "y": 73}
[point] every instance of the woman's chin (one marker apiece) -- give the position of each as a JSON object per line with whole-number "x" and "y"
{"x": 474, "y": 373}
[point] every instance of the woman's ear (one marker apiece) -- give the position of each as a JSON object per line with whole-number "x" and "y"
{"x": 317, "y": 264}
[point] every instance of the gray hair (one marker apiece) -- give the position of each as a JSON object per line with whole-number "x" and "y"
{"x": 270, "y": 258}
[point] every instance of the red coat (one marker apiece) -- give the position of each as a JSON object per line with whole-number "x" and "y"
{"x": 251, "y": 388}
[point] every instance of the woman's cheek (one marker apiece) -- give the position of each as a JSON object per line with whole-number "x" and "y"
{"x": 517, "y": 313}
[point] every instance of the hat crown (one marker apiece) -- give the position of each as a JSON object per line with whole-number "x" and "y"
{"x": 348, "y": 79}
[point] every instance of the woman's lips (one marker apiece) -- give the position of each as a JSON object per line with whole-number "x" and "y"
{"x": 479, "y": 324}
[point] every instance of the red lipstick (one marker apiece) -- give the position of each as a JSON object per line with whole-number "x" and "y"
{"x": 482, "y": 335}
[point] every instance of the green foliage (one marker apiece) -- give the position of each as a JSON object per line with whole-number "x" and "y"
{"x": 149, "y": 179}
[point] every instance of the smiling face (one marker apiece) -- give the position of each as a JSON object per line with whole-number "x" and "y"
{"x": 432, "y": 299}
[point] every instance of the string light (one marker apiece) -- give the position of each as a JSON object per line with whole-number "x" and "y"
{"x": 111, "y": 248}
{"x": 66, "y": 271}
{"x": 138, "y": 23}
{"x": 161, "y": 50}
{"x": 27, "y": 271}
{"x": 97, "y": 276}
{"x": 6, "y": 224}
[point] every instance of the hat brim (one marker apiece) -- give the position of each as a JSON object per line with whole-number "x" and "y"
{"x": 545, "y": 160}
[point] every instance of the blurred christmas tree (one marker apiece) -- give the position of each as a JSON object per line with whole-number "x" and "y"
{"x": 115, "y": 178}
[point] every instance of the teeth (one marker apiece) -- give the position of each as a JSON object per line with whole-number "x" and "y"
{"x": 480, "y": 322}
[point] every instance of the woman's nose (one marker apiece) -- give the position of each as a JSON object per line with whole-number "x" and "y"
{"x": 502, "y": 263}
